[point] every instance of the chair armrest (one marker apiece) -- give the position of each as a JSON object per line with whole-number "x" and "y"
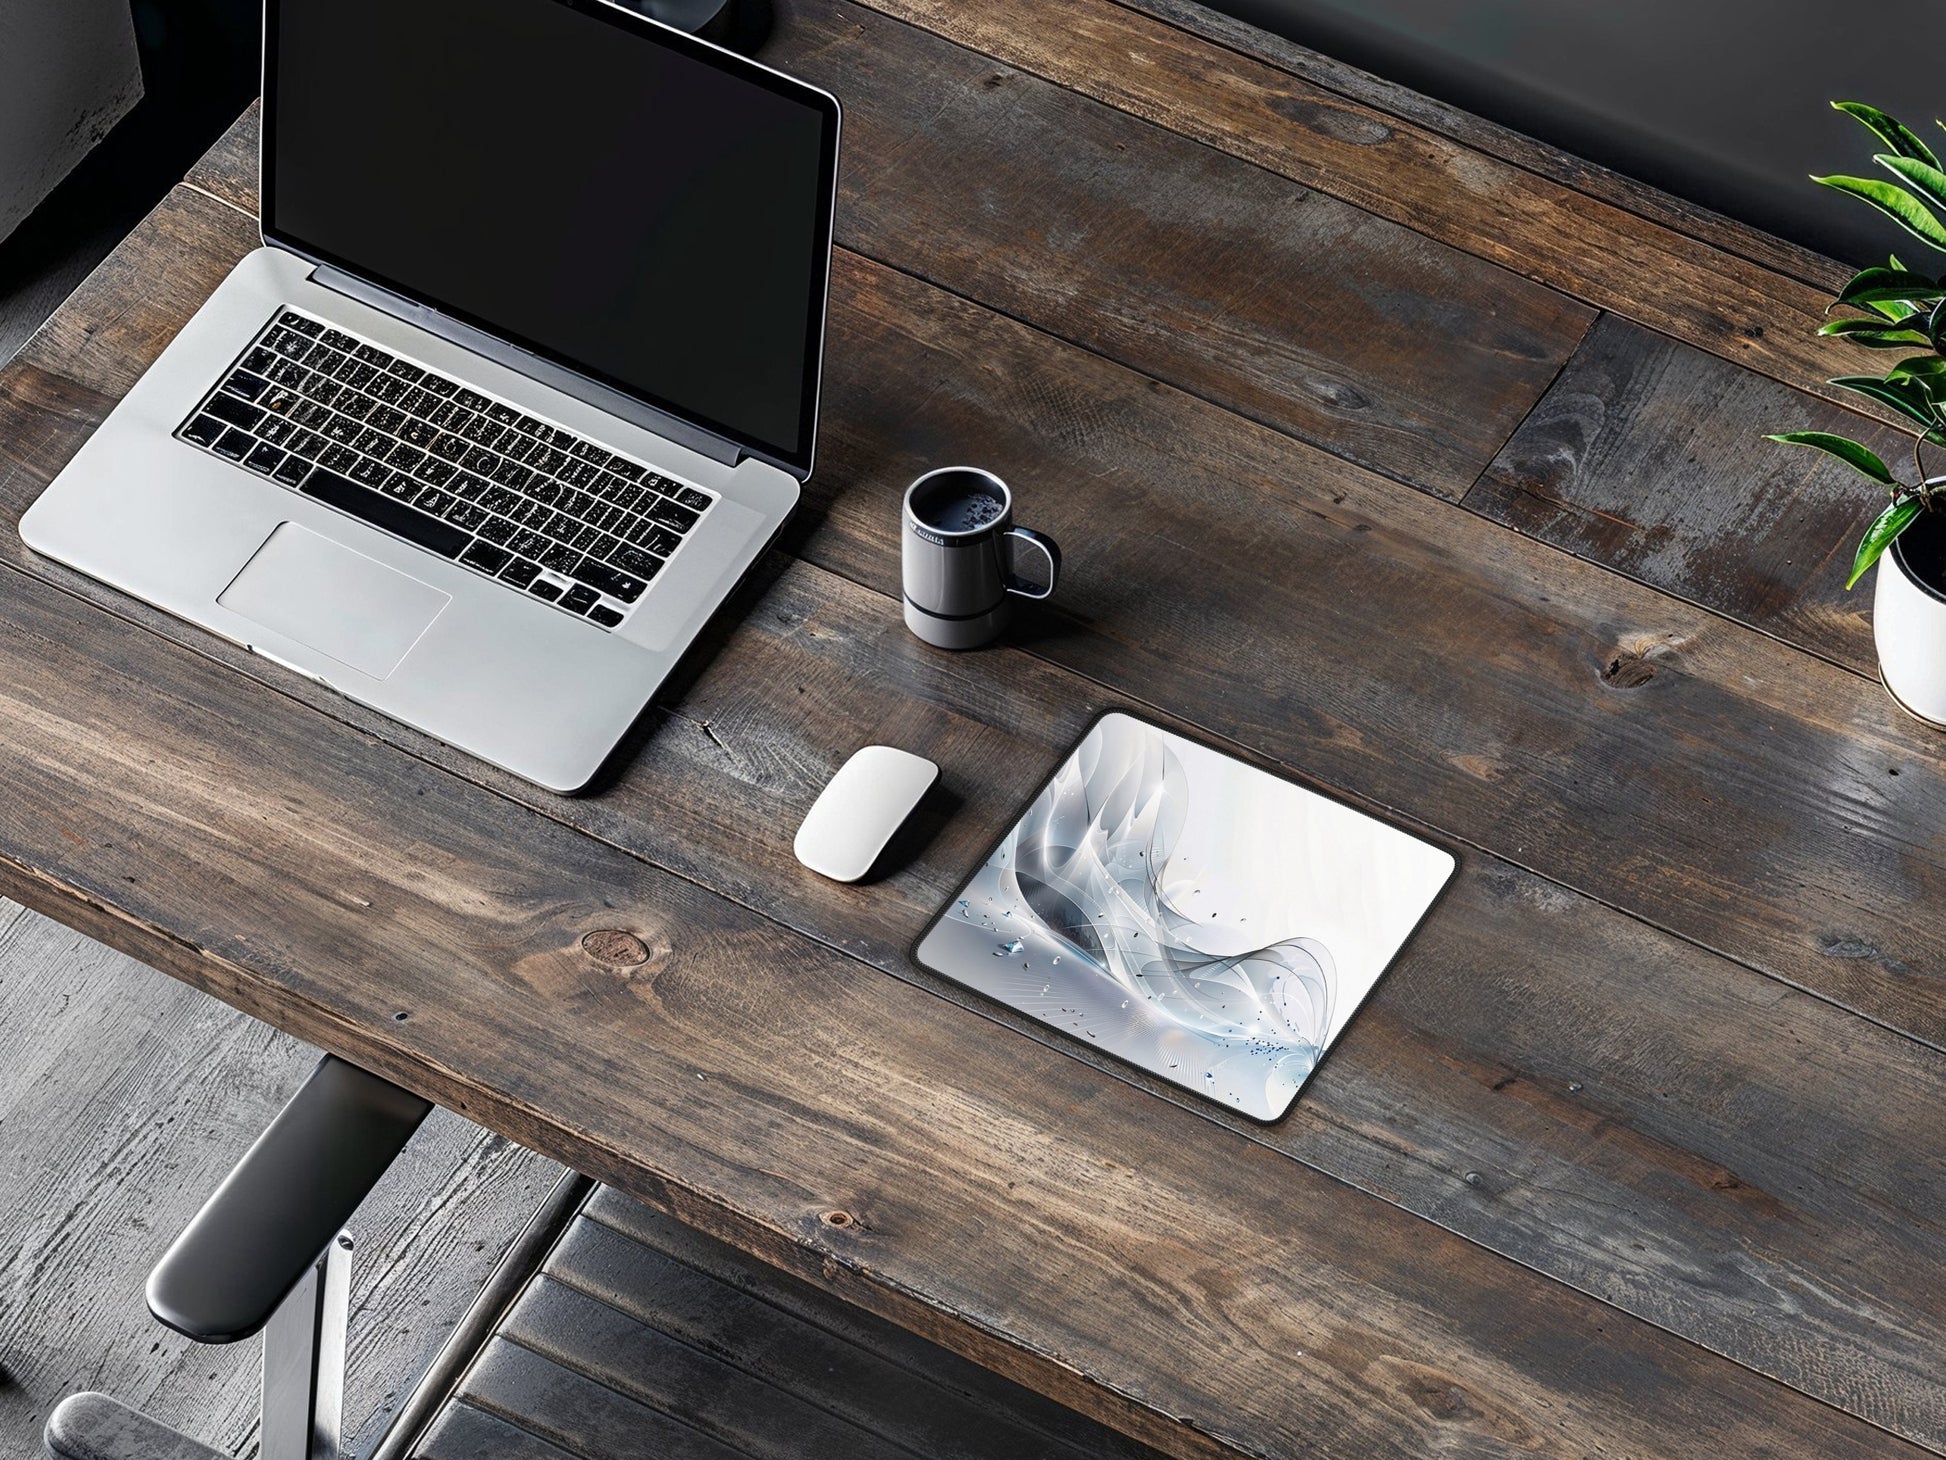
{"x": 268, "y": 1223}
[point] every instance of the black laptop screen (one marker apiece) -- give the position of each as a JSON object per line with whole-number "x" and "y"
{"x": 615, "y": 197}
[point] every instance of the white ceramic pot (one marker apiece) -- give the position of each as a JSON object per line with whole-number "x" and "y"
{"x": 1909, "y": 619}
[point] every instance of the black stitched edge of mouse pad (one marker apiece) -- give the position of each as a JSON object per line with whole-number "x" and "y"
{"x": 1213, "y": 923}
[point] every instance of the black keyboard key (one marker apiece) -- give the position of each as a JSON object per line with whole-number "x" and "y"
{"x": 339, "y": 340}
{"x": 245, "y": 384}
{"x": 356, "y": 404}
{"x": 578, "y": 599}
{"x": 694, "y": 500}
{"x": 658, "y": 540}
{"x": 431, "y": 499}
{"x": 309, "y": 328}
{"x": 309, "y": 445}
{"x": 310, "y": 413}
{"x": 323, "y": 357}
{"x": 546, "y": 459}
{"x": 386, "y": 419}
{"x": 381, "y": 511}
{"x": 419, "y": 433}
{"x": 486, "y": 557}
{"x": 471, "y": 400}
{"x": 588, "y": 451}
{"x": 530, "y": 544}
{"x": 627, "y": 470}
{"x": 585, "y": 536}
{"x": 259, "y": 360}
{"x": 338, "y": 458}
{"x": 265, "y": 459}
{"x": 292, "y": 472}
{"x": 405, "y": 457}
{"x": 450, "y": 415}
{"x": 604, "y": 579}
{"x": 470, "y": 515}
{"x": 513, "y": 474}
{"x": 229, "y": 409}
{"x": 576, "y": 504}
{"x": 402, "y": 488}
{"x": 287, "y": 372}
{"x": 234, "y": 444}
{"x": 434, "y": 472}
{"x": 449, "y": 447}
{"x": 338, "y": 429}
{"x": 409, "y": 373}
{"x": 479, "y": 459}
{"x": 287, "y": 342}
{"x": 602, "y": 614}
{"x": 499, "y": 499}
{"x": 563, "y": 560}
{"x": 520, "y": 572}
{"x": 670, "y": 514}
{"x": 387, "y": 388}
{"x": 372, "y": 355}
{"x": 633, "y": 560}
{"x": 580, "y": 473}
{"x": 498, "y": 529}
{"x": 506, "y": 415}
{"x": 371, "y": 473}
{"x": 281, "y": 400}
{"x": 543, "y": 589}
{"x": 203, "y": 430}
{"x": 372, "y": 443}
{"x": 277, "y": 431}
{"x": 438, "y": 385}
{"x": 469, "y": 487}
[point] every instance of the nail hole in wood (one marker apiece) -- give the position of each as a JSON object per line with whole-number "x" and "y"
{"x": 837, "y": 1219}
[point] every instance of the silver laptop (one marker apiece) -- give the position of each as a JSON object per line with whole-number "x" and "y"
{"x": 521, "y": 383}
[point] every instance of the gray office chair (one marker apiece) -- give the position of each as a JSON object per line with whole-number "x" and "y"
{"x": 268, "y": 1253}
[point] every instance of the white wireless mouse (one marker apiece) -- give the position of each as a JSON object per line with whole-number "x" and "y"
{"x": 856, "y": 814}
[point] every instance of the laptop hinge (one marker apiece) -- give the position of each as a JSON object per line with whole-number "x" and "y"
{"x": 568, "y": 382}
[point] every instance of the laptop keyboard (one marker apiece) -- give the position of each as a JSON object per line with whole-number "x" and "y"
{"x": 471, "y": 478}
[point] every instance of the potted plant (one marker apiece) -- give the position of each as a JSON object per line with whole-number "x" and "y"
{"x": 1896, "y": 308}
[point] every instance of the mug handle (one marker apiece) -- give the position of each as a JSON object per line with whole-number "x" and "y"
{"x": 1053, "y": 554}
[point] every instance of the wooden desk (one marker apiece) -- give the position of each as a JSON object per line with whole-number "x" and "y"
{"x": 1395, "y": 451}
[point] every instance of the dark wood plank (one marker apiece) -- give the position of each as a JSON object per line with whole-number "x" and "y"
{"x": 1647, "y": 457}
{"x": 755, "y": 1083}
{"x": 124, "y": 1098}
{"x": 1586, "y": 247}
{"x": 1476, "y": 134}
{"x": 465, "y": 1433}
{"x": 799, "y": 1339}
{"x": 581, "y": 1415}
{"x": 820, "y": 667}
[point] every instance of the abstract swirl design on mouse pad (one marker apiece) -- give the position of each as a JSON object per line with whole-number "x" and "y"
{"x": 1189, "y": 913}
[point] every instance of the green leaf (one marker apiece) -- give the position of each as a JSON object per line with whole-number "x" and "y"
{"x": 1935, "y": 323}
{"x": 1876, "y": 334}
{"x": 1903, "y": 396}
{"x": 1925, "y": 368}
{"x": 1896, "y": 203}
{"x": 1879, "y": 536}
{"x": 1925, "y": 179}
{"x": 1857, "y": 457}
{"x": 1889, "y": 130}
{"x": 1889, "y": 286}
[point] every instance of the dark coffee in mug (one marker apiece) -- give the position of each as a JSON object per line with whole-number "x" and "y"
{"x": 957, "y": 502}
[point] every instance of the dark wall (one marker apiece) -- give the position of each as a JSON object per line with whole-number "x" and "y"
{"x": 1720, "y": 101}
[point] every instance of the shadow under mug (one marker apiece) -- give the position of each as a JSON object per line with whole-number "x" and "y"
{"x": 957, "y": 549}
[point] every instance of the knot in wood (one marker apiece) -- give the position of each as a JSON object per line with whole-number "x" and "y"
{"x": 613, "y": 946}
{"x": 837, "y": 1219}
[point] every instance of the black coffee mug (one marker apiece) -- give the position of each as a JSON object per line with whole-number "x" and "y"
{"x": 958, "y": 552}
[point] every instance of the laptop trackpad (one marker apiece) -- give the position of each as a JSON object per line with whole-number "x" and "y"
{"x": 322, "y": 595}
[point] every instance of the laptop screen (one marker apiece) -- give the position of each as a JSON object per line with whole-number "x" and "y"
{"x": 619, "y": 198}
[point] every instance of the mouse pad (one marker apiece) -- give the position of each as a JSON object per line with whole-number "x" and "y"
{"x": 1213, "y": 923}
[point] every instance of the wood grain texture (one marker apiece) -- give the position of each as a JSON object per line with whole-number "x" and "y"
{"x": 1476, "y": 134}
{"x": 124, "y": 1098}
{"x": 819, "y": 666}
{"x": 1647, "y": 456}
{"x": 754, "y": 1083}
{"x": 1584, "y": 246}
